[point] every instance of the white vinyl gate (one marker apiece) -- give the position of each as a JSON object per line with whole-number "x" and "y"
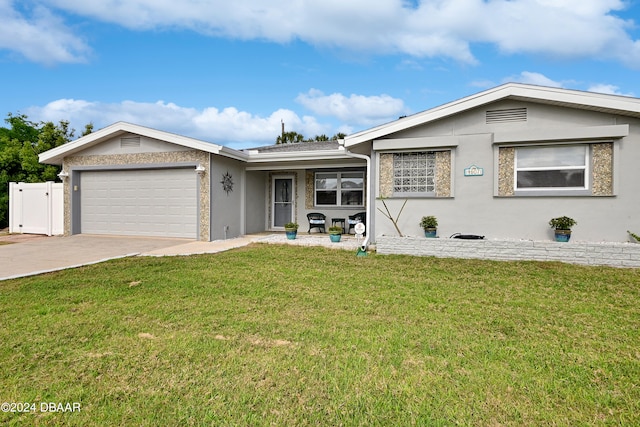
{"x": 36, "y": 208}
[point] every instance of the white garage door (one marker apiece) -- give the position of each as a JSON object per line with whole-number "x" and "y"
{"x": 146, "y": 202}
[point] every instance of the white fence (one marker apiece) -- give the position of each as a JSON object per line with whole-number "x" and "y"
{"x": 36, "y": 208}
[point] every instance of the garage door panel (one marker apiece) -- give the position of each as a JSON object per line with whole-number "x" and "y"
{"x": 150, "y": 202}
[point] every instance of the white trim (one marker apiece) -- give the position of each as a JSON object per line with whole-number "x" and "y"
{"x": 543, "y": 190}
{"x": 292, "y": 177}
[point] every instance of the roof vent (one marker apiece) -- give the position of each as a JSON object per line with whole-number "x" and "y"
{"x": 507, "y": 116}
{"x": 129, "y": 141}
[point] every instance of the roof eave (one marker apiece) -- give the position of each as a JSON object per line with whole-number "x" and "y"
{"x": 613, "y": 103}
{"x": 337, "y": 154}
{"x": 56, "y": 155}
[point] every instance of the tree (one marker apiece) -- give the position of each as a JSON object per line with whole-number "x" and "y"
{"x": 20, "y": 145}
{"x": 295, "y": 137}
{"x": 88, "y": 128}
{"x": 289, "y": 138}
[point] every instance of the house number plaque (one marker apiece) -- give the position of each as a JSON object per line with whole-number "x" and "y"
{"x": 473, "y": 170}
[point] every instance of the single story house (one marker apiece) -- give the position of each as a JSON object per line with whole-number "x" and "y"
{"x": 500, "y": 163}
{"x": 127, "y": 179}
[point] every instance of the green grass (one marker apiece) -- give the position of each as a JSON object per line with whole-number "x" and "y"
{"x": 279, "y": 335}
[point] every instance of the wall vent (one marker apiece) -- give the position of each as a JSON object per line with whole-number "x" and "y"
{"x": 129, "y": 141}
{"x": 507, "y": 116}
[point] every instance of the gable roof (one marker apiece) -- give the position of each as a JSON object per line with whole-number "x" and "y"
{"x": 613, "y": 104}
{"x": 55, "y": 155}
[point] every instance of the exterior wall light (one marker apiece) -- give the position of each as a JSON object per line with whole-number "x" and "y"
{"x": 63, "y": 175}
{"x": 200, "y": 169}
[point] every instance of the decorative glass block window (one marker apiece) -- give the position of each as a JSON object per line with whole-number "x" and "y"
{"x": 414, "y": 172}
{"x": 339, "y": 188}
{"x": 560, "y": 167}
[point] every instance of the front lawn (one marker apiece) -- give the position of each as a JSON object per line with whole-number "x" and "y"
{"x": 281, "y": 335}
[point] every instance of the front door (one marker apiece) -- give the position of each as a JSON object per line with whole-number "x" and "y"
{"x": 283, "y": 197}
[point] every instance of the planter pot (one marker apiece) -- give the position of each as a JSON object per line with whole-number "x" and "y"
{"x": 430, "y": 232}
{"x": 291, "y": 234}
{"x": 562, "y": 235}
{"x": 335, "y": 237}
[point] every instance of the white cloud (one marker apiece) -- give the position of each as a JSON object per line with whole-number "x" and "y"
{"x": 355, "y": 109}
{"x": 227, "y": 126}
{"x": 485, "y": 83}
{"x": 608, "y": 89}
{"x": 569, "y": 28}
{"x": 532, "y": 78}
{"x": 40, "y": 37}
{"x": 428, "y": 28}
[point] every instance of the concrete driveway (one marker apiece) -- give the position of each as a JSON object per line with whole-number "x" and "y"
{"x": 31, "y": 254}
{"x": 44, "y": 254}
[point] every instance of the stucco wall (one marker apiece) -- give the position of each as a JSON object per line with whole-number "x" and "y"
{"x": 478, "y": 204}
{"x": 226, "y": 206}
{"x": 255, "y": 201}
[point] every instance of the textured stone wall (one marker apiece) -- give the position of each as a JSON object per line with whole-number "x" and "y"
{"x": 309, "y": 186}
{"x": 443, "y": 173}
{"x": 386, "y": 175}
{"x": 602, "y": 171}
{"x": 196, "y": 156}
{"x": 66, "y": 201}
{"x": 586, "y": 253}
{"x": 506, "y": 165}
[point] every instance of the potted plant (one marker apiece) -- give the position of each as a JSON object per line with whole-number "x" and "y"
{"x": 291, "y": 230}
{"x": 335, "y": 233}
{"x": 430, "y": 225}
{"x": 562, "y": 226}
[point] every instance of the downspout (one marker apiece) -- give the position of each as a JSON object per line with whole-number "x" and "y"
{"x": 370, "y": 202}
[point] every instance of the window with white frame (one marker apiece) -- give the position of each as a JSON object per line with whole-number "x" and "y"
{"x": 557, "y": 167}
{"x": 414, "y": 172}
{"x": 339, "y": 188}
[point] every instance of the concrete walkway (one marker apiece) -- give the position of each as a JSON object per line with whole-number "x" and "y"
{"x": 32, "y": 255}
{"x": 45, "y": 254}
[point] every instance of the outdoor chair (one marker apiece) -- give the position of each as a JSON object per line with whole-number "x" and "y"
{"x": 316, "y": 220}
{"x": 354, "y": 219}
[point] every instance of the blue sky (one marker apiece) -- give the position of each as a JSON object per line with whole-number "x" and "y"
{"x": 230, "y": 71}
